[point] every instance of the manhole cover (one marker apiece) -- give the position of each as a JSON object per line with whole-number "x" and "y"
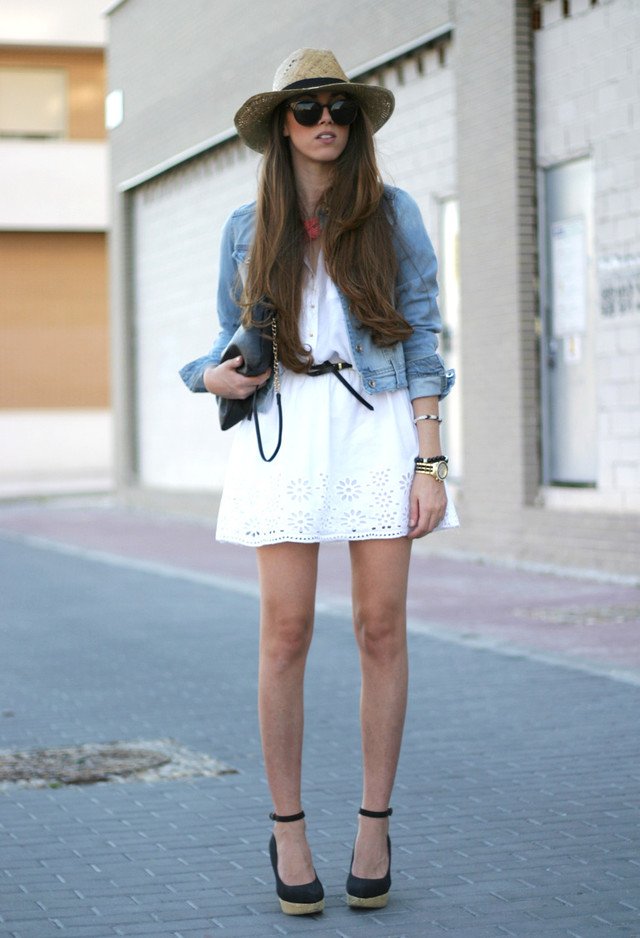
{"x": 106, "y": 762}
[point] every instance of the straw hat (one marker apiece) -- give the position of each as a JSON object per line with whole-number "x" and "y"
{"x": 308, "y": 70}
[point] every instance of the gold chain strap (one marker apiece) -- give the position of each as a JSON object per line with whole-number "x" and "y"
{"x": 276, "y": 360}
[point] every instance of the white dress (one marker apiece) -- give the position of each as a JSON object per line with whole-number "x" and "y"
{"x": 343, "y": 472}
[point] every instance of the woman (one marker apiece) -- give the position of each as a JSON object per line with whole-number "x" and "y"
{"x": 349, "y": 270}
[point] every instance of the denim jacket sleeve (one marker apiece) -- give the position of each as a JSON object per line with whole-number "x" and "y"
{"x": 416, "y": 298}
{"x": 228, "y": 310}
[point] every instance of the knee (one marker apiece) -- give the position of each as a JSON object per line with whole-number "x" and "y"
{"x": 286, "y": 639}
{"x": 380, "y": 632}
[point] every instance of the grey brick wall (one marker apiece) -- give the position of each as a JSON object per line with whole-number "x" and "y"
{"x": 504, "y": 511}
{"x": 588, "y": 76}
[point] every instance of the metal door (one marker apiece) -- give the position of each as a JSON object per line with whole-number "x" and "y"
{"x": 569, "y": 384}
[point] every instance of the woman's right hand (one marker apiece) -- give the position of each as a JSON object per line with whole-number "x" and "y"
{"x": 225, "y": 380}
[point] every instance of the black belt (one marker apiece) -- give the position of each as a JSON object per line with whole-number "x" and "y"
{"x": 335, "y": 368}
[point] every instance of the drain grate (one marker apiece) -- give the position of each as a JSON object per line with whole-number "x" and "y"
{"x": 118, "y": 761}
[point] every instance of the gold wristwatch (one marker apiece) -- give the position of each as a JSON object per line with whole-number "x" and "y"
{"x": 436, "y": 466}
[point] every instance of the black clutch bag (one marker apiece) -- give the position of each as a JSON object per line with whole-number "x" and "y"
{"x": 258, "y": 345}
{"x": 255, "y": 344}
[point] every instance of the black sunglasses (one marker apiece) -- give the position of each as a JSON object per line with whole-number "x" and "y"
{"x": 343, "y": 111}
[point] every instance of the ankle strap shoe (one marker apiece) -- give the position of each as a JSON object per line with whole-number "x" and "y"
{"x": 295, "y": 900}
{"x": 370, "y": 893}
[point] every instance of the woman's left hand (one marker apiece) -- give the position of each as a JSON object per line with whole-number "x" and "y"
{"x": 427, "y": 505}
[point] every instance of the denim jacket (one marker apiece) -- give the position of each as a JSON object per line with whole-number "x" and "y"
{"x": 414, "y": 363}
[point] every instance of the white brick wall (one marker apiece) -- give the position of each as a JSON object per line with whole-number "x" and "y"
{"x": 417, "y": 148}
{"x": 588, "y": 82}
{"x": 178, "y": 219}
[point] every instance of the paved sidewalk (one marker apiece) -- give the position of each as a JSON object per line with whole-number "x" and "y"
{"x": 516, "y": 808}
{"x": 581, "y": 622}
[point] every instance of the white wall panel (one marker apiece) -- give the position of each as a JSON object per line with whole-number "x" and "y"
{"x": 43, "y": 449}
{"x": 177, "y": 232}
{"x": 53, "y": 22}
{"x": 56, "y": 185}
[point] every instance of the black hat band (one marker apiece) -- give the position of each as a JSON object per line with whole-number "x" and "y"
{"x": 314, "y": 83}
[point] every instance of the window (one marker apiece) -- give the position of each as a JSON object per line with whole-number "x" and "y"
{"x": 33, "y": 102}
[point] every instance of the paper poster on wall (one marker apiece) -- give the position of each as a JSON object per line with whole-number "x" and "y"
{"x": 569, "y": 276}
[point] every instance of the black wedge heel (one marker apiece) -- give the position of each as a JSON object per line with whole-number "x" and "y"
{"x": 370, "y": 893}
{"x": 295, "y": 900}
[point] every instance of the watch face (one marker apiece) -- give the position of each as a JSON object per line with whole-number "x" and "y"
{"x": 442, "y": 470}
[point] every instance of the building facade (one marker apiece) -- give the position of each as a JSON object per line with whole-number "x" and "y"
{"x": 55, "y": 421}
{"x": 516, "y": 129}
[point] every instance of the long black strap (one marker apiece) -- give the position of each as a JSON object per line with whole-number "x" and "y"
{"x": 254, "y": 412}
{"x": 335, "y": 368}
{"x": 315, "y": 370}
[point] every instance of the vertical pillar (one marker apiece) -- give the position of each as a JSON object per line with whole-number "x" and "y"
{"x": 498, "y": 257}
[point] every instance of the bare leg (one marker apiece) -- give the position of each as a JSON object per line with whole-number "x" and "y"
{"x": 379, "y": 583}
{"x": 288, "y": 574}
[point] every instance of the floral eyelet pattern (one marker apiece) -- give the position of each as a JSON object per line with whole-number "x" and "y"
{"x": 320, "y": 509}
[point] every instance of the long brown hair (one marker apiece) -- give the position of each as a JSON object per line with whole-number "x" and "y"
{"x": 357, "y": 242}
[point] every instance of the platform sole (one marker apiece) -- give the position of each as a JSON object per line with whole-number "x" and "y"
{"x": 375, "y": 902}
{"x": 301, "y": 908}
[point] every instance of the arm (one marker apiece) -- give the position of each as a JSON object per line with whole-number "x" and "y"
{"x": 428, "y": 497}
{"x": 416, "y": 299}
{"x": 429, "y": 382}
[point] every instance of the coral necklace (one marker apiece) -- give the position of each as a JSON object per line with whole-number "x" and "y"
{"x": 313, "y": 227}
